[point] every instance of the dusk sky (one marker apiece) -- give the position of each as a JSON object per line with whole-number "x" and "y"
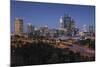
{"x": 41, "y": 14}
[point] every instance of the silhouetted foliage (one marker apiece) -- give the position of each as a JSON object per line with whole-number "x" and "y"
{"x": 91, "y": 43}
{"x": 42, "y": 53}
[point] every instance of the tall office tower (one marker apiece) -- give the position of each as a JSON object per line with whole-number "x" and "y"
{"x": 67, "y": 23}
{"x": 72, "y": 24}
{"x": 30, "y": 28}
{"x": 18, "y": 26}
{"x": 61, "y": 23}
{"x": 91, "y": 30}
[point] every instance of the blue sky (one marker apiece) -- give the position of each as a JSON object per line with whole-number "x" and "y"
{"x": 41, "y": 14}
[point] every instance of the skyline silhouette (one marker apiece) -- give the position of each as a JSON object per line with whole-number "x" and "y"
{"x": 41, "y": 14}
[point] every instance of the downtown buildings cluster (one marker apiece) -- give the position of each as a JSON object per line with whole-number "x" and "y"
{"x": 67, "y": 28}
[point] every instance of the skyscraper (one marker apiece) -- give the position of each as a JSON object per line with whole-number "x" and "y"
{"x": 91, "y": 30}
{"x": 18, "y": 29}
{"x": 30, "y": 28}
{"x": 67, "y": 23}
{"x": 61, "y": 23}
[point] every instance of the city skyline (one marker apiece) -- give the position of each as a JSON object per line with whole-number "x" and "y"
{"x": 49, "y": 14}
{"x": 51, "y": 33}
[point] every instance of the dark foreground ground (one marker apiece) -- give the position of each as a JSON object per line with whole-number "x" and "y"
{"x": 42, "y": 53}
